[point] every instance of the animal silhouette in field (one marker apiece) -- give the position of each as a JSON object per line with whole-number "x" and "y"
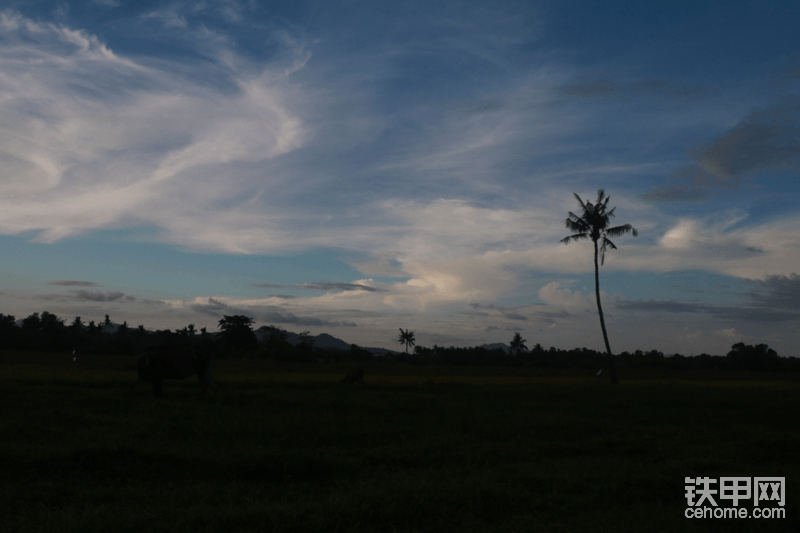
{"x": 356, "y": 376}
{"x": 175, "y": 362}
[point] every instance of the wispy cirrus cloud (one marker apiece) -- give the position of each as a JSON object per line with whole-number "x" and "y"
{"x": 756, "y": 315}
{"x": 94, "y": 140}
{"x": 217, "y": 308}
{"x": 321, "y": 286}
{"x": 604, "y": 88}
{"x": 100, "y": 296}
{"x": 775, "y": 298}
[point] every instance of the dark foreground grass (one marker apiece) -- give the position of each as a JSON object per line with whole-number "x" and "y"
{"x": 305, "y": 453}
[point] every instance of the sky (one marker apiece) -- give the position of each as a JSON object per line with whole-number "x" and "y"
{"x": 356, "y": 167}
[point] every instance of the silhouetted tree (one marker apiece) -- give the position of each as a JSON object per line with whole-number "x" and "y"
{"x": 304, "y": 350}
{"x": 275, "y": 333}
{"x": 76, "y": 328}
{"x": 359, "y": 354}
{"x": 52, "y": 332}
{"x": 594, "y": 225}
{"x": 276, "y": 345}
{"x": 237, "y": 332}
{"x": 9, "y": 332}
{"x": 123, "y": 344}
{"x": 518, "y": 344}
{"x": 30, "y": 330}
{"x": 306, "y": 338}
{"x": 747, "y": 357}
{"x": 406, "y": 337}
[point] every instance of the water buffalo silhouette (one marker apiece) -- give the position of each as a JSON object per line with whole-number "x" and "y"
{"x": 354, "y": 377}
{"x": 175, "y": 362}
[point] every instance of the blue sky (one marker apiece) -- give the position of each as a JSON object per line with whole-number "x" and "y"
{"x": 356, "y": 167}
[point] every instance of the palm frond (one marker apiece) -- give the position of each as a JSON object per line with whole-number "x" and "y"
{"x": 579, "y": 200}
{"x": 576, "y": 223}
{"x": 621, "y": 230}
{"x": 605, "y": 243}
{"x": 576, "y": 237}
{"x": 594, "y": 223}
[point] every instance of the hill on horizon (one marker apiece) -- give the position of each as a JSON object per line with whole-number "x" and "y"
{"x": 325, "y": 340}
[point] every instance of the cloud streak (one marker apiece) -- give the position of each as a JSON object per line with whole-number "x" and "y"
{"x": 766, "y": 140}
{"x": 605, "y": 88}
{"x": 99, "y": 296}
{"x": 262, "y": 313}
{"x": 321, "y": 286}
{"x": 92, "y": 140}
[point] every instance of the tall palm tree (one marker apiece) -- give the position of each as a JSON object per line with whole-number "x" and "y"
{"x": 594, "y": 225}
{"x": 406, "y": 337}
{"x": 518, "y": 344}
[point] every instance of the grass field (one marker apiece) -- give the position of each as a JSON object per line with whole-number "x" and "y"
{"x": 302, "y": 452}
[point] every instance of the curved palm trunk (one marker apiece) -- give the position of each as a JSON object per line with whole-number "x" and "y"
{"x": 602, "y": 321}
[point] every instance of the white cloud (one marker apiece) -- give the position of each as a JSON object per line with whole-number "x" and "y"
{"x": 92, "y": 140}
{"x": 712, "y": 243}
{"x": 562, "y": 298}
{"x": 576, "y": 302}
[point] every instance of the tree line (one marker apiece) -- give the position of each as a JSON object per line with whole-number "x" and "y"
{"x": 741, "y": 357}
{"x": 46, "y": 332}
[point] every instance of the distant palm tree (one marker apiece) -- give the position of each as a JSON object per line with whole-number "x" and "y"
{"x": 406, "y": 337}
{"x": 594, "y": 225}
{"x": 518, "y": 344}
{"x": 76, "y": 327}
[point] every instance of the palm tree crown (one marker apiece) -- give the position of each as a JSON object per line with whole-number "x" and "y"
{"x": 406, "y": 337}
{"x": 594, "y": 224}
{"x": 518, "y": 344}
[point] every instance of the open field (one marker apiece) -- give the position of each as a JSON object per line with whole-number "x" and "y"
{"x": 409, "y": 450}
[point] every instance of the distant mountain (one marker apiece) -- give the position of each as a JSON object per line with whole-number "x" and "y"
{"x": 381, "y": 352}
{"x": 506, "y": 348}
{"x": 323, "y": 340}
